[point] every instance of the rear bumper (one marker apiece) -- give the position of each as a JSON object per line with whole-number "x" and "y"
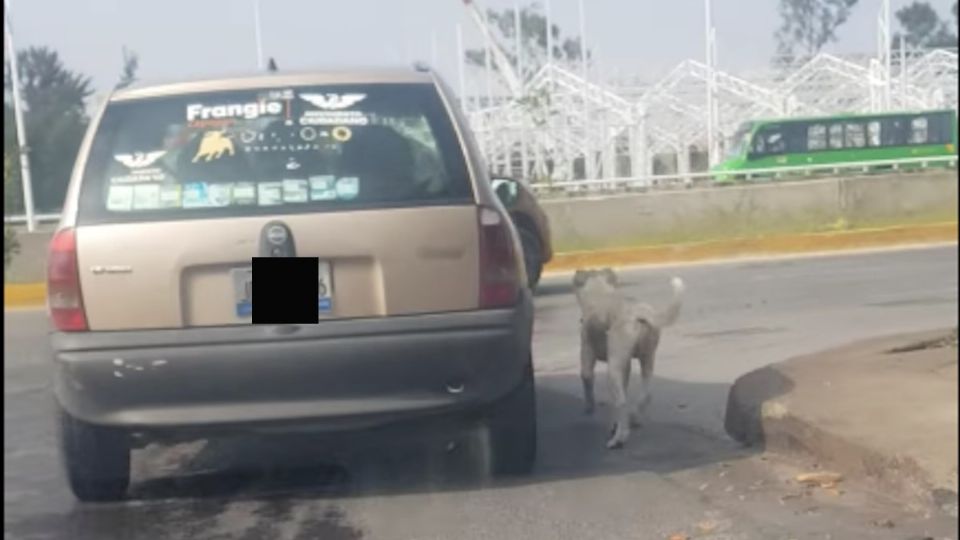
{"x": 337, "y": 375}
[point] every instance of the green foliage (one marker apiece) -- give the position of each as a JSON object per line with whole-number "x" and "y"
{"x": 55, "y": 119}
{"x": 533, "y": 29}
{"x": 131, "y": 61}
{"x": 808, "y": 25}
{"x": 11, "y": 246}
{"x": 921, "y": 27}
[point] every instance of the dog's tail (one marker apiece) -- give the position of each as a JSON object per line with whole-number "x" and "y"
{"x": 669, "y": 314}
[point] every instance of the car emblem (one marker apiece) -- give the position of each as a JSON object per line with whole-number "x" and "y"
{"x": 277, "y": 235}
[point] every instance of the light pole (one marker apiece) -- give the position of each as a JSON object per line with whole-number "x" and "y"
{"x": 18, "y": 120}
{"x": 711, "y": 117}
{"x": 257, "y": 34}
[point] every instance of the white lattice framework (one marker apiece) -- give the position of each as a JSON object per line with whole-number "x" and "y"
{"x": 565, "y": 127}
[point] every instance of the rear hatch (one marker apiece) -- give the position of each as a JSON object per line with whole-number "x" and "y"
{"x": 371, "y": 179}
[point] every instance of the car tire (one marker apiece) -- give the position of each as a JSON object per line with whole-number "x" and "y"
{"x": 512, "y": 430}
{"x": 532, "y": 256}
{"x": 96, "y": 458}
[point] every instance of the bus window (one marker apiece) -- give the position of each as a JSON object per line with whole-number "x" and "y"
{"x": 836, "y": 136}
{"x": 796, "y": 138}
{"x": 894, "y": 132}
{"x": 817, "y": 137}
{"x": 939, "y": 129}
{"x": 918, "y": 130}
{"x": 873, "y": 133}
{"x": 854, "y": 136}
{"x": 769, "y": 142}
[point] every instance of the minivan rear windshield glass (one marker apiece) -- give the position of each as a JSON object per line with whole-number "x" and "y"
{"x": 287, "y": 150}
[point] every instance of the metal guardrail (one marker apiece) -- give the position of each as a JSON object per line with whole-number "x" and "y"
{"x": 39, "y": 218}
{"x": 711, "y": 179}
{"x": 673, "y": 181}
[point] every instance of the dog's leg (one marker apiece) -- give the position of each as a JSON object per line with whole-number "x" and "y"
{"x": 646, "y": 353}
{"x": 619, "y": 357}
{"x": 588, "y": 361}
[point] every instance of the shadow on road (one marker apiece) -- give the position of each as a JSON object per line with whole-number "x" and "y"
{"x": 554, "y": 288}
{"x": 571, "y": 445}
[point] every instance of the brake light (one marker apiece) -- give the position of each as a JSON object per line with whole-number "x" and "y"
{"x": 64, "y": 302}
{"x": 499, "y": 278}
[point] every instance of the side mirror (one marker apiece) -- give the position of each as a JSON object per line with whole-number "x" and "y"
{"x": 506, "y": 189}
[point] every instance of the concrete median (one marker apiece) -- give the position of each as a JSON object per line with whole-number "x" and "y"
{"x": 695, "y": 225}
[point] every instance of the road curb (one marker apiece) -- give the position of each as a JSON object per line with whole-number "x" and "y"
{"x": 19, "y": 295}
{"x": 759, "y": 414}
{"x": 772, "y": 245}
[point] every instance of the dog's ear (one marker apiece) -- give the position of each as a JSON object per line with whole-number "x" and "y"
{"x": 610, "y": 276}
{"x": 580, "y": 277}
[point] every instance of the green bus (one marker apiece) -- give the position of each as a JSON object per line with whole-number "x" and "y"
{"x": 853, "y": 138}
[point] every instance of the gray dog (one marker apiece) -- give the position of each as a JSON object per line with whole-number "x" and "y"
{"x": 616, "y": 329}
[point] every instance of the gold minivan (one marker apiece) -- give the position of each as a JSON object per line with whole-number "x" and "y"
{"x": 373, "y": 172}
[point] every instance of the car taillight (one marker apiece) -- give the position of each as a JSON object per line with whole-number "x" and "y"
{"x": 64, "y": 302}
{"x": 499, "y": 279}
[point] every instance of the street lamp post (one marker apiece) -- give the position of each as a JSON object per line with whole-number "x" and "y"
{"x": 18, "y": 120}
{"x": 257, "y": 35}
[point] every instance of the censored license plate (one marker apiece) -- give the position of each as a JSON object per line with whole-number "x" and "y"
{"x": 243, "y": 290}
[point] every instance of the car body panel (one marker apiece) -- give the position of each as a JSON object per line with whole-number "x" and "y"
{"x": 337, "y": 375}
{"x": 384, "y": 262}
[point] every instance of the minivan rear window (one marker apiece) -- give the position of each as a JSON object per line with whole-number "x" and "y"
{"x": 273, "y": 151}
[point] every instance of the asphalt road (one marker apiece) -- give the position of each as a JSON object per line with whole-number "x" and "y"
{"x": 679, "y": 474}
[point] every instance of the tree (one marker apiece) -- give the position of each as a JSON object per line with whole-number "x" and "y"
{"x": 130, "y": 64}
{"x": 11, "y": 246}
{"x": 533, "y": 29}
{"x": 921, "y": 27}
{"x": 55, "y": 119}
{"x": 808, "y": 25}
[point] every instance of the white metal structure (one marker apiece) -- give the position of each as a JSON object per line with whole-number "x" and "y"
{"x": 18, "y": 120}
{"x": 570, "y": 127}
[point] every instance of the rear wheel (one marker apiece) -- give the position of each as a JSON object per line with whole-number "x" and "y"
{"x": 513, "y": 430}
{"x": 532, "y": 256}
{"x": 97, "y": 460}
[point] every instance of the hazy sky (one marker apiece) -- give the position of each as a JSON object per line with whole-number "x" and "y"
{"x": 188, "y": 38}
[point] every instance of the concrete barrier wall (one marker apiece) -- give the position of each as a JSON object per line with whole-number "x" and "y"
{"x": 755, "y": 210}
{"x": 700, "y": 215}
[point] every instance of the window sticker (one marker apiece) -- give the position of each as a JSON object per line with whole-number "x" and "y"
{"x": 333, "y": 102}
{"x": 146, "y": 196}
{"x": 139, "y": 160}
{"x": 333, "y": 118}
{"x": 246, "y": 111}
{"x": 120, "y": 198}
{"x": 295, "y": 190}
{"x": 220, "y": 194}
{"x": 170, "y": 196}
{"x": 341, "y": 133}
{"x": 322, "y": 188}
{"x": 140, "y": 166}
{"x": 245, "y": 193}
{"x": 270, "y": 193}
{"x": 213, "y": 145}
{"x": 348, "y": 188}
{"x": 331, "y": 110}
{"x": 196, "y": 195}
